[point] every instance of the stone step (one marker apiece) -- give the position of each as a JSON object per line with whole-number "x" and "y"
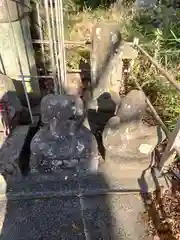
{"x": 68, "y": 182}
{"x": 48, "y": 207}
{"x": 68, "y": 206}
{"x": 98, "y": 217}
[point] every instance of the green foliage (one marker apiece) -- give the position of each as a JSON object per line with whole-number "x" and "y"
{"x": 77, "y": 56}
{"x": 158, "y": 31}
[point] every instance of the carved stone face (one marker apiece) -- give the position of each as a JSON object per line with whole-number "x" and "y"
{"x": 61, "y": 107}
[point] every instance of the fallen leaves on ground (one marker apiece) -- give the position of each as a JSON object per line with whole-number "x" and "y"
{"x": 163, "y": 213}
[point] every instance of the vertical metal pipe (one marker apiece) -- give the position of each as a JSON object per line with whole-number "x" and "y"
{"x": 41, "y": 36}
{"x": 61, "y": 29}
{"x": 173, "y": 141}
{"x": 51, "y": 42}
{"x": 57, "y": 66}
{"x": 18, "y": 60}
{"x": 61, "y": 50}
{"x": 58, "y": 46}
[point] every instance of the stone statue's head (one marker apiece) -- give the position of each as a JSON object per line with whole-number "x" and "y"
{"x": 61, "y": 107}
{"x": 133, "y": 106}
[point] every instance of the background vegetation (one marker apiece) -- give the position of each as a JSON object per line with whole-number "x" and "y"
{"x": 158, "y": 30}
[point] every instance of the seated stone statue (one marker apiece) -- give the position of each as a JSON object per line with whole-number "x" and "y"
{"x": 63, "y": 142}
{"x": 126, "y": 137}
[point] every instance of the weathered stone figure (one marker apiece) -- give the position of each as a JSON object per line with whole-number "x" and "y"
{"x": 63, "y": 142}
{"x": 126, "y": 137}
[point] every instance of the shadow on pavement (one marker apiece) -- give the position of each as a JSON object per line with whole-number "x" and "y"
{"x": 52, "y": 209}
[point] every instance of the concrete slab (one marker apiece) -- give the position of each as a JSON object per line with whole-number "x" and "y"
{"x": 114, "y": 217}
{"x": 93, "y": 183}
{"x": 131, "y": 177}
{"x": 51, "y": 207}
{"x": 46, "y": 186}
{"x": 53, "y": 219}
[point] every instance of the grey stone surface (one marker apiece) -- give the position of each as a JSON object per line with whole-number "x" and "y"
{"x": 106, "y": 39}
{"x": 10, "y": 150}
{"x": 63, "y": 142}
{"x": 99, "y": 217}
{"x": 93, "y": 183}
{"x": 43, "y": 219}
{"x": 126, "y": 138}
{"x": 38, "y": 184}
{"x": 106, "y": 64}
{"x": 108, "y": 52}
{"x": 114, "y": 217}
{"x": 132, "y": 141}
{"x": 45, "y": 213}
{"x": 133, "y": 106}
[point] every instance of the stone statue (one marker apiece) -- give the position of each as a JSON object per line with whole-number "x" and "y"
{"x": 125, "y": 136}
{"x": 63, "y": 142}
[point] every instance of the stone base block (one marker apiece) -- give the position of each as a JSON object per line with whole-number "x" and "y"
{"x": 132, "y": 176}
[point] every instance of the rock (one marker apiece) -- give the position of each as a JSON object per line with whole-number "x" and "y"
{"x": 125, "y": 137}
{"x": 133, "y": 141}
{"x": 106, "y": 63}
{"x": 63, "y": 141}
{"x": 106, "y": 39}
{"x": 133, "y": 106}
{"x": 107, "y": 55}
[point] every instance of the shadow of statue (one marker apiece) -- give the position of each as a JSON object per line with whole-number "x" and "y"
{"x": 98, "y": 118}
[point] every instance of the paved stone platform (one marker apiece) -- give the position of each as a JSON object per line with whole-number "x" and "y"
{"x": 56, "y": 207}
{"x": 67, "y": 217}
